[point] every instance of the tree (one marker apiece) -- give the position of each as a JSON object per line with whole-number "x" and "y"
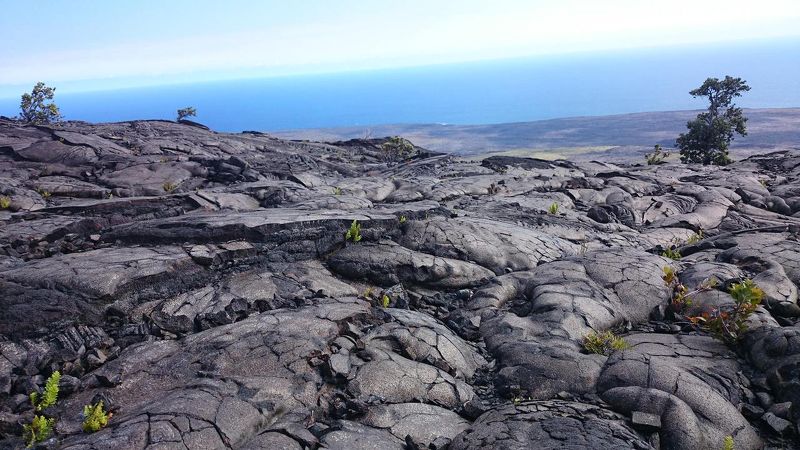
{"x": 712, "y": 131}
{"x": 396, "y": 148}
{"x": 34, "y": 110}
{"x": 186, "y": 112}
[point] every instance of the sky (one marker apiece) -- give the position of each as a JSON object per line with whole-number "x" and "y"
{"x": 100, "y": 44}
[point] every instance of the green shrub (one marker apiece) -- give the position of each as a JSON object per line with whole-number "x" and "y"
{"x": 354, "y": 233}
{"x": 5, "y": 202}
{"x": 397, "y": 148}
{"x": 94, "y": 417}
{"x": 385, "y": 301}
{"x": 657, "y": 156}
{"x": 186, "y": 112}
{"x": 40, "y": 429}
{"x": 34, "y": 110}
{"x": 729, "y": 322}
{"x": 553, "y": 209}
{"x": 604, "y": 343}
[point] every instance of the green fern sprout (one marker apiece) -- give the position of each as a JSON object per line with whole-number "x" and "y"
{"x": 354, "y": 233}
{"x": 39, "y": 430}
{"x": 403, "y": 219}
{"x": 49, "y": 397}
{"x": 94, "y": 417}
{"x": 695, "y": 238}
{"x": 385, "y": 301}
{"x": 5, "y": 202}
{"x": 553, "y": 209}
{"x": 337, "y": 191}
{"x": 45, "y": 194}
{"x": 727, "y": 443}
{"x": 169, "y": 186}
{"x": 604, "y": 343}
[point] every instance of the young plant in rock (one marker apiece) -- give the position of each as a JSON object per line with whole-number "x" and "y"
{"x": 727, "y": 323}
{"x": 671, "y": 253}
{"x": 657, "y": 156}
{"x": 169, "y": 186}
{"x": 354, "y": 233}
{"x": 5, "y": 202}
{"x": 604, "y": 343}
{"x": 186, "y": 112}
{"x": 95, "y": 417}
{"x": 695, "y": 238}
{"x": 41, "y": 427}
{"x": 385, "y": 301}
{"x": 553, "y": 209}
{"x": 403, "y": 219}
{"x": 44, "y": 193}
{"x": 727, "y": 443}
{"x": 337, "y": 191}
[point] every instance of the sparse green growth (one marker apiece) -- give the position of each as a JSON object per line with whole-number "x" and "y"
{"x": 94, "y": 417}
{"x": 695, "y": 238}
{"x": 397, "y": 148}
{"x": 368, "y": 292}
{"x": 44, "y": 193}
{"x": 5, "y": 202}
{"x": 385, "y": 301}
{"x": 337, "y": 191}
{"x": 604, "y": 343}
{"x": 657, "y": 156}
{"x": 49, "y": 396}
{"x": 33, "y": 108}
{"x": 711, "y": 133}
{"x": 728, "y": 323}
{"x": 553, "y": 209}
{"x": 354, "y": 233}
{"x": 403, "y": 219}
{"x": 169, "y": 186}
{"x": 189, "y": 111}
{"x": 671, "y": 254}
{"x": 40, "y": 429}
{"x": 669, "y": 276}
{"x": 727, "y": 443}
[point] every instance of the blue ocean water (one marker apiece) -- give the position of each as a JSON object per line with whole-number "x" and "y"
{"x": 467, "y": 93}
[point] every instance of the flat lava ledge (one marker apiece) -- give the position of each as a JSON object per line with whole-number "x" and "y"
{"x": 200, "y": 284}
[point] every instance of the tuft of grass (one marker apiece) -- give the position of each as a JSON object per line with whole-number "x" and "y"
{"x": 95, "y": 417}
{"x": 354, "y": 233}
{"x": 553, "y": 209}
{"x": 671, "y": 254}
{"x": 604, "y": 343}
{"x": 169, "y": 186}
{"x": 5, "y": 202}
{"x": 695, "y": 238}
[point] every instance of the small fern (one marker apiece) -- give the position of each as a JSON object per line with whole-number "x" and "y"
{"x": 49, "y": 397}
{"x": 169, "y": 186}
{"x": 553, "y": 209}
{"x": 5, "y": 202}
{"x": 94, "y": 417}
{"x": 44, "y": 193}
{"x": 385, "y": 301}
{"x": 727, "y": 443}
{"x": 354, "y": 233}
{"x": 337, "y": 191}
{"x": 403, "y": 219}
{"x": 39, "y": 430}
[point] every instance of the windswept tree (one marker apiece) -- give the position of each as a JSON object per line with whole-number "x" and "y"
{"x": 396, "y": 148}
{"x": 186, "y": 112}
{"x": 33, "y": 108}
{"x": 711, "y": 133}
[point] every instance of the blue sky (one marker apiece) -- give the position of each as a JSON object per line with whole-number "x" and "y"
{"x": 85, "y": 45}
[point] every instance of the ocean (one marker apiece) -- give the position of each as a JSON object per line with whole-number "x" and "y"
{"x": 512, "y": 90}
